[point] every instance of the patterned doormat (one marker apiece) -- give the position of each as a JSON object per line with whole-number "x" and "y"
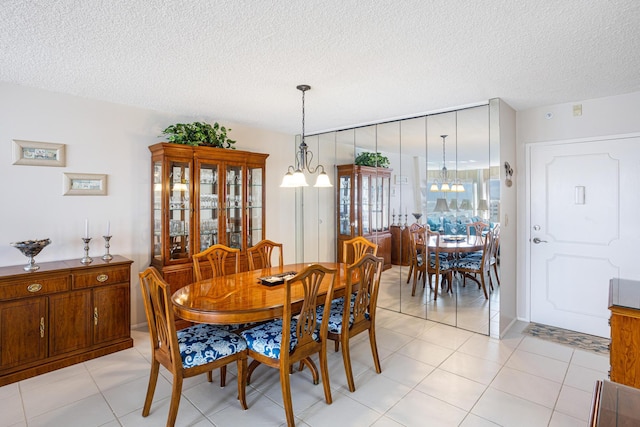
{"x": 586, "y": 342}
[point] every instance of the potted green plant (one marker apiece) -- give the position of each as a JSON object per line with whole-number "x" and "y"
{"x": 372, "y": 159}
{"x": 199, "y": 133}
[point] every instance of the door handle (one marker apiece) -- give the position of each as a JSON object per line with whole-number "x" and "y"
{"x": 537, "y": 240}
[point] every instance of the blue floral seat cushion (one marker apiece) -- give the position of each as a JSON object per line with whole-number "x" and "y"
{"x": 468, "y": 263}
{"x": 445, "y": 262}
{"x": 475, "y": 254}
{"x": 266, "y": 338}
{"x": 335, "y": 314}
{"x": 202, "y": 344}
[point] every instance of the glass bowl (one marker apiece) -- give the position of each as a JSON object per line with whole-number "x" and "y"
{"x": 31, "y": 248}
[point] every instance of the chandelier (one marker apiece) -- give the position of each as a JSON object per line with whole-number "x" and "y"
{"x": 456, "y": 186}
{"x": 295, "y": 174}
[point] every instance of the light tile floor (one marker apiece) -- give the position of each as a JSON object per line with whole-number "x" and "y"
{"x": 432, "y": 374}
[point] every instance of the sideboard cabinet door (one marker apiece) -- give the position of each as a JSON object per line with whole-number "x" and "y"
{"x": 23, "y": 332}
{"x": 70, "y": 315}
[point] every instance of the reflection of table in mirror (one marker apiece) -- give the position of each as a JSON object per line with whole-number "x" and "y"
{"x": 452, "y": 245}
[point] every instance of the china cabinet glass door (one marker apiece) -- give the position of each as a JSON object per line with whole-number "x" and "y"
{"x": 157, "y": 210}
{"x": 234, "y": 203}
{"x": 366, "y": 207}
{"x": 179, "y": 210}
{"x": 209, "y": 206}
{"x": 345, "y": 205}
{"x": 254, "y": 206}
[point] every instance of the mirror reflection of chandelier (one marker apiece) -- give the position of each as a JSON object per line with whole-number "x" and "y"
{"x": 444, "y": 187}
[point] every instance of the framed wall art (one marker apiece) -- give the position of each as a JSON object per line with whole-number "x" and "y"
{"x": 85, "y": 184}
{"x": 36, "y": 153}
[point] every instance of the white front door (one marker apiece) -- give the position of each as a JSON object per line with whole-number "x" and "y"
{"x": 584, "y": 228}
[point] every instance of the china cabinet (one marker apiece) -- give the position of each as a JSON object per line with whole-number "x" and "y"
{"x": 203, "y": 196}
{"x": 62, "y": 314}
{"x": 362, "y": 197}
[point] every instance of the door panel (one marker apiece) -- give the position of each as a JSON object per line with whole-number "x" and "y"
{"x": 583, "y": 229}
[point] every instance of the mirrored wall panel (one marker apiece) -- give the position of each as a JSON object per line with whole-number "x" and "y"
{"x": 426, "y": 190}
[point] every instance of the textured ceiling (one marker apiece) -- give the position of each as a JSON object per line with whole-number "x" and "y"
{"x": 369, "y": 60}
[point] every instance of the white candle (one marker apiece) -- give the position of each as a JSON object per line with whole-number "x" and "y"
{"x": 394, "y": 211}
{"x": 86, "y": 228}
{"x": 108, "y": 228}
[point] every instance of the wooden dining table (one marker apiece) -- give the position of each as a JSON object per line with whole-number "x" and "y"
{"x": 243, "y": 298}
{"x": 458, "y": 244}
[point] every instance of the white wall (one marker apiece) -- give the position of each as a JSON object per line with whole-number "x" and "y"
{"x": 506, "y": 137}
{"x": 110, "y": 139}
{"x": 613, "y": 115}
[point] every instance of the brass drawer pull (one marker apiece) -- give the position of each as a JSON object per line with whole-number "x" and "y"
{"x": 95, "y": 315}
{"x": 42, "y": 327}
{"x": 102, "y": 278}
{"x": 34, "y": 287}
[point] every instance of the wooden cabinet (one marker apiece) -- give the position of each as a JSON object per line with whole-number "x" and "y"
{"x": 62, "y": 314}
{"x": 202, "y": 196}
{"x": 624, "y": 353}
{"x": 400, "y": 245}
{"x": 362, "y": 198}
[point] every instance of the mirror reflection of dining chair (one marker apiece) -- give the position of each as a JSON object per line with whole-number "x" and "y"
{"x": 354, "y": 248}
{"x": 295, "y": 337}
{"x": 187, "y": 352}
{"x": 215, "y": 258}
{"x": 477, "y": 229}
{"x": 346, "y": 321}
{"x": 472, "y": 265}
{"x": 412, "y": 227}
{"x": 495, "y": 251}
{"x": 430, "y": 261}
{"x": 259, "y": 256}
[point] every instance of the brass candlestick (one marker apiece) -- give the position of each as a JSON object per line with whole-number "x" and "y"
{"x": 86, "y": 259}
{"x": 107, "y": 256}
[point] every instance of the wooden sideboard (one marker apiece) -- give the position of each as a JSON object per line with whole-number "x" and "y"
{"x": 624, "y": 304}
{"x": 62, "y": 314}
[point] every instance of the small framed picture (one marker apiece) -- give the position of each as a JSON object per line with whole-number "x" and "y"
{"x": 35, "y": 153}
{"x": 85, "y": 184}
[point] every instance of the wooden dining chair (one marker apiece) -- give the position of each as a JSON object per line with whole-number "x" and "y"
{"x": 187, "y": 352}
{"x": 477, "y": 229}
{"x": 215, "y": 258}
{"x": 440, "y": 264}
{"x": 259, "y": 256}
{"x": 495, "y": 251}
{"x": 417, "y": 268}
{"x": 413, "y": 227}
{"x": 296, "y": 336}
{"x": 354, "y": 248}
{"x": 348, "y": 320}
{"x": 210, "y": 263}
{"x": 471, "y": 265}
{"x": 429, "y": 261}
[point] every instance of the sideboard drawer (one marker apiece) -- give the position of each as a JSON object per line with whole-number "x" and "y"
{"x": 100, "y": 277}
{"x": 34, "y": 287}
